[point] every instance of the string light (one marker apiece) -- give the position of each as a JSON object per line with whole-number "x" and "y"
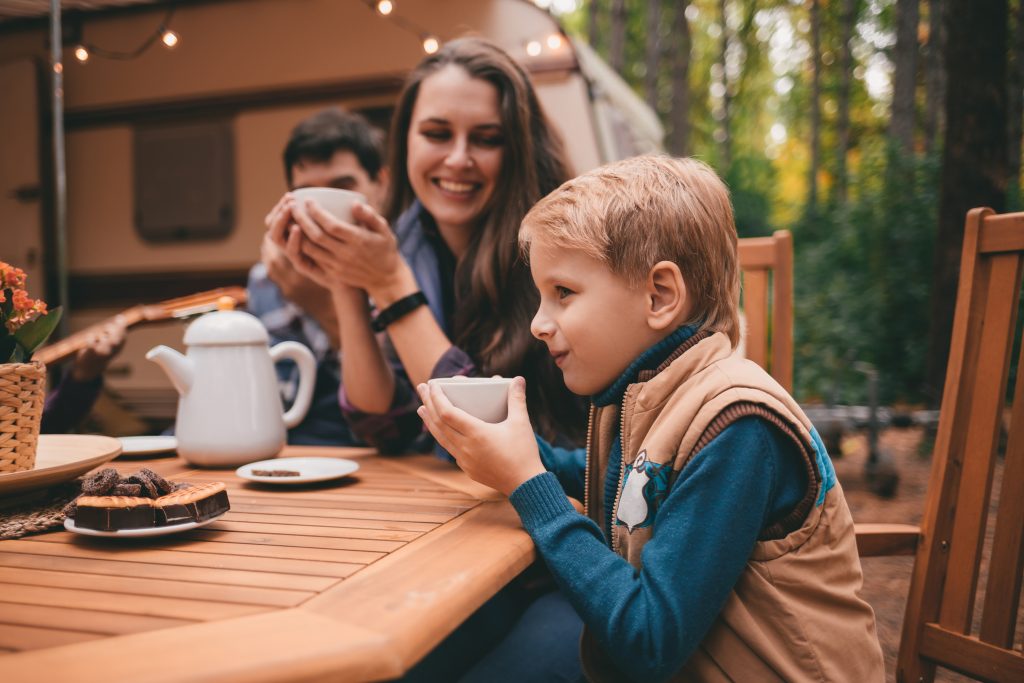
{"x": 170, "y": 38}
{"x": 555, "y": 41}
{"x": 386, "y": 8}
{"x": 533, "y": 48}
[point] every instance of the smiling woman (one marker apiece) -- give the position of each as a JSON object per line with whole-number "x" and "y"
{"x": 471, "y": 152}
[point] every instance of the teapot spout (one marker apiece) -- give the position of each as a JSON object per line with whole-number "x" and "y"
{"x": 177, "y": 366}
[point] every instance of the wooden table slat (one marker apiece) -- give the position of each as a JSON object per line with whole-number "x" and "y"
{"x": 174, "y": 608}
{"x": 120, "y": 568}
{"x": 92, "y": 621}
{"x": 190, "y": 590}
{"x": 348, "y": 524}
{"x": 289, "y": 509}
{"x": 220, "y": 534}
{"x": 339, "y": 530}
{"x": 399, "y": 507}
{"x": 189, "y": 559}
{"x": 14, "y": 638}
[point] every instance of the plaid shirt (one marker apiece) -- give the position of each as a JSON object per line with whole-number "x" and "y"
{"x": 324, "y": 423}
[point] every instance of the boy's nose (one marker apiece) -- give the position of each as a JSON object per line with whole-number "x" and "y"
{"x": 541, "y": 326}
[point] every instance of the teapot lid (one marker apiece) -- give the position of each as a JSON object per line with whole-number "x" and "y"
{"x": 224, "y": 328}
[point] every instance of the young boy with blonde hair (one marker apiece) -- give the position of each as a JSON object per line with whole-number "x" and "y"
{"x": 717, "y": 544}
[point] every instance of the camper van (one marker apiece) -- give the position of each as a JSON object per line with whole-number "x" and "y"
{"x": 172, "y": 145}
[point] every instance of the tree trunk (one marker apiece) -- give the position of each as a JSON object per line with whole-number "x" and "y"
{"x": 724, "y": 134}
{"x": 1015, "y": 95}
{"x": 593, "y": 24}
{"x": 901, "y": 125}
{"x": 815, "y": 105}
{"x": 935, "y": 74}
{"x": 974, "y": 163}
{"x": 849, "y": 22}
{"x": 653, "y": 52}
{"x": 679, "y": 138}
{"x": 617, "y": 44}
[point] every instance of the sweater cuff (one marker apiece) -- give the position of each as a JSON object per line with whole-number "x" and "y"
{"x": 539, "y": 500}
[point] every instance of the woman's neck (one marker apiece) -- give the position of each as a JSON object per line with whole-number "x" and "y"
{"x": 456, "y": 237}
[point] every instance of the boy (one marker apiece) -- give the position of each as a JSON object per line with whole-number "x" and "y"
{"x": 717, "y": 544}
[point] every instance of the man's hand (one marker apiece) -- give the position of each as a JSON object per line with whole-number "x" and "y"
{"x": 104, "y": 344}
{"x": 502, "y": 455}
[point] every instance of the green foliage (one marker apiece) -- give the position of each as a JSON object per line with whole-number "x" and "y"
{"x": 863, "y": 272}
{"x": 19, "y": 340}
{"x": 750, "y": 179}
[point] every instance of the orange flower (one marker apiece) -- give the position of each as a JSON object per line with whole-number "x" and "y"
{"x": 11, "y": 277}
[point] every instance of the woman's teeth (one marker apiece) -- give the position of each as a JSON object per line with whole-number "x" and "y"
{"x": 453, "y": 186}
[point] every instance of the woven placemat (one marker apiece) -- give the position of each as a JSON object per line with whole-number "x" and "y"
{"x": 44, "y": 512}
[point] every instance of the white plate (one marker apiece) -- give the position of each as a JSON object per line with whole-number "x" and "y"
{"x": 147, "y": 445}
{"x": 309, "y": 469}
{"x": 69, "y": 524}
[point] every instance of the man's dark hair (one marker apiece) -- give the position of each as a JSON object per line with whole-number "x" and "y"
{"x": 324, "y": 133}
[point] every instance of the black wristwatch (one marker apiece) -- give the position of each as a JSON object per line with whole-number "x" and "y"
{"x": 402, "y": 307}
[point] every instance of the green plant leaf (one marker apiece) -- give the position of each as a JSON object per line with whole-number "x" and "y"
{"x": 31, "y": 335}
{"x": 7, "y": 348}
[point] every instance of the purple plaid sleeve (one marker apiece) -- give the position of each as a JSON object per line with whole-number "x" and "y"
{"x": 69, "y": 404}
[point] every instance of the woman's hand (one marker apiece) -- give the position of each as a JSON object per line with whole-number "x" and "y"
{"x": 364, "y": 254}
{"x": 502, "y": 455}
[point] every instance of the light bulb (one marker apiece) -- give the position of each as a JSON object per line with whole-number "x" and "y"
{"x": 533, "y": 48}
{"x": 82, "y": 54}
{"x": 170, "y": 38}
{"x": 555, "y": 41}
{"x": 431, "y": 45}
{"x": 385, "y": 7}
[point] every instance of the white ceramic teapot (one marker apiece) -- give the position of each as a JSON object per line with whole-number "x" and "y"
{"x": 229, "y": 406}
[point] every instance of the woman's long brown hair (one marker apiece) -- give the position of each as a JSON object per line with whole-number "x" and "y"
{"x": 495, "y": 295}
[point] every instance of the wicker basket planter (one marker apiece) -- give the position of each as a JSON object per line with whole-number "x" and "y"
{"x": 22, "y": 387}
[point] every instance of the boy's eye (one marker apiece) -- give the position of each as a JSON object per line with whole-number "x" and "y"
{"x": 562, "y": 292}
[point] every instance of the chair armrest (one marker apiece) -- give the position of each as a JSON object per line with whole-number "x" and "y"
{"x": 883, "y": 540}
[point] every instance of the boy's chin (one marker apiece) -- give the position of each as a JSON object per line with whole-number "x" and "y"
{"x": 581, "y": 386}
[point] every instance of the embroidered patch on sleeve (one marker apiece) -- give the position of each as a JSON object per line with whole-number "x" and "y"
{"x": 644, "y": 488}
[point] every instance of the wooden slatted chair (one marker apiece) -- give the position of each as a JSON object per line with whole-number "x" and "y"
{"x": 939, "y": 628}
{"x": 766, "y": 267}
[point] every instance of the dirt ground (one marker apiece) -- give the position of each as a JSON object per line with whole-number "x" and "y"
{"x": 886, "y": 579}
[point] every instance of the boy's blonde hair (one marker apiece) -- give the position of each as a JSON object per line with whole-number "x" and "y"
{"x": 631, "y": 214}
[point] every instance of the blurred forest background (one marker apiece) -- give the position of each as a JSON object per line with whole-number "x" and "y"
{"x": 867, "y": 127}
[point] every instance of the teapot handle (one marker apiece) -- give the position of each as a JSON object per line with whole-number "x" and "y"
{"x": 303, "y": 358}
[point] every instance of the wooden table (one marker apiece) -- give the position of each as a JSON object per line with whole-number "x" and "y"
{"x": 350, "y": 580}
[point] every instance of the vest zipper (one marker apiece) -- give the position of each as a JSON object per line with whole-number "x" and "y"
{"x": 586, "y": 466}
{"x": 622, "y": 475}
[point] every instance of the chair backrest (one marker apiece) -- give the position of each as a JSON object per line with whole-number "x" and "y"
{"x": 766, "y": 269}
{"x": 940, "y": 628}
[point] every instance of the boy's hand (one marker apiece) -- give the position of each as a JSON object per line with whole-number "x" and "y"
{"x": 502, "y": 455}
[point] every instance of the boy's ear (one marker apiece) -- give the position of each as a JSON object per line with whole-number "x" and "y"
{"x": 666, "y": 295}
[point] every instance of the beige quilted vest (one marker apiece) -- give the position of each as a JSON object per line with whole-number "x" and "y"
{"x": 795, "y": 613}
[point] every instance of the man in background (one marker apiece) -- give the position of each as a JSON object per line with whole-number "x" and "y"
{"x": 332, "y": 148}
